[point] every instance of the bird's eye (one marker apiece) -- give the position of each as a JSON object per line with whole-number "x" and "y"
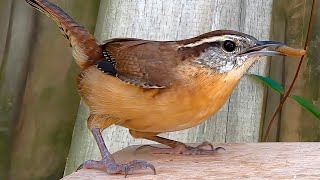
{"x": 229, "y": 46}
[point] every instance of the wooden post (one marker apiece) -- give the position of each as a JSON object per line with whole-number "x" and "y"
{"x": 296, "y": 123}
{"x": 290, "y": 22}
{"x": 16, "y": 27}
{"x": 239, "y": 120}
{"x": 276, "y": 68}
{"x": 38, "y": 92}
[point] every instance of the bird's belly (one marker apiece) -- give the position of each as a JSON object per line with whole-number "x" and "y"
{"x": 164, "y": 123}
{"x": 149, "y": 110}
{"x": 166, "y": 112}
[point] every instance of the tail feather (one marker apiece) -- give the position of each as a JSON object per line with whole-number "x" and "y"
{"x": 85, "y": 48}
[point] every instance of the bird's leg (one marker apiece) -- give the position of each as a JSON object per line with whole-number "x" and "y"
{"x": 108, "y": 163}
{"x": 181, "y": 148}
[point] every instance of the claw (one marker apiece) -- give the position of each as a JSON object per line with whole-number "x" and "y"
{"x": 142, "y": 147}
{"x": 152, "y": 168}
{"x": 113, "y": 168}
{"x": 220, "y": 148}
{"x": 80, "y": 167}
{"x": 136, "y": 164}
{"x": 126, "y": 170}
{"x": 206, "y": 143}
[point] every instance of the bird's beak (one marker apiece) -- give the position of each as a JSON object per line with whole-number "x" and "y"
{"x": 259, "y": 49}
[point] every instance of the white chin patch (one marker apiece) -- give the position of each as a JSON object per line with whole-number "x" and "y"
{"x": 226, "y": 68}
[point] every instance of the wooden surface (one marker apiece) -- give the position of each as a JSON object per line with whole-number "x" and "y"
{"x": 239, "y": 119}
{"x": 240, "y": 161}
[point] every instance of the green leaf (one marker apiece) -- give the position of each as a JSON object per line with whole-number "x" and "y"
{"x": 302, "y": 101}
{"x": 307, "y": 105}
{"x": 270, "y": 82}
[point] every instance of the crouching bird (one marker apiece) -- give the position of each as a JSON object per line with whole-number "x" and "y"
{"x": 151, "y": 87}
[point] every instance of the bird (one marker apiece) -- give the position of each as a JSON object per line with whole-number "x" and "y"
{"x": 152, "y": 87}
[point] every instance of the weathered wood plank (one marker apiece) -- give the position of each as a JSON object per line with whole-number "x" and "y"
{"x": 17, "y": 27}
{"x": 240, "y": 161}
{"x": 238, "y": 120}
{"x": 296, "y": 123}
{"x": 50, "y": 99}
{"x": 5, "y": 14}
{"x": 290, "y": 21}
{"x": 275, "y": 71}
{"x": 5, "y": 11}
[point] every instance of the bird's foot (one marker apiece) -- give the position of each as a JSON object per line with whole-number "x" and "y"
{"x": 114, "y": 168}
{"x": 186, "y": 150}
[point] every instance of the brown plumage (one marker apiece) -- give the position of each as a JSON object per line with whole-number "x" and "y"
{"x": 85, "y": 48}
{"x": 152, "y": 65}
{"x": 151, "y": 87}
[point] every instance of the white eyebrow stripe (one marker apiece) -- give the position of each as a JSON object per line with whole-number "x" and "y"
{"x": 207, "y": 40}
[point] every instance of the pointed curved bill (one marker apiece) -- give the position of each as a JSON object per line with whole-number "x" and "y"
{"x": 260, "y": 49}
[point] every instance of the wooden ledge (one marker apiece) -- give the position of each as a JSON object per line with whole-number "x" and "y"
{"x": 240, "y": 161}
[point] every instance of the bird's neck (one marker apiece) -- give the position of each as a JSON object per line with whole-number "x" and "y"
{"x": 201, "y": 77}
{"x": 210, "y": 88}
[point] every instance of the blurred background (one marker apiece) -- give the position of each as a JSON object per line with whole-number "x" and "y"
{"x": 39, "y": 102}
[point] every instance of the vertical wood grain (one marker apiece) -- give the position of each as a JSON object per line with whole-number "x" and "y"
{"x": 296, "y": 123}
{"x": 5, "y": 11}
{"x": 275, "y": 71}
{"x": 14, "y": 66}
{"x": 49, "y": 98}
{"x": 5, "y": 16}
{"x": 238, "y": 120}
{"x": 290, "y": 23}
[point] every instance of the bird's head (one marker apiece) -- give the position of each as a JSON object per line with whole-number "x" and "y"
{"x": 225, "y": 50}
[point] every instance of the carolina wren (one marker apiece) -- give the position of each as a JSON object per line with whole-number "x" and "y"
{"x": 151, "y": 87}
